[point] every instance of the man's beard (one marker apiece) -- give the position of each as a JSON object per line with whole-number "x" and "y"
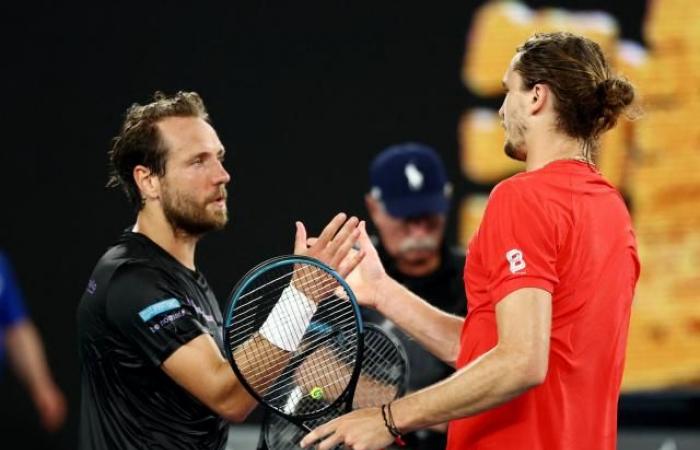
{"x": 514, "y": 145}
{"x": 513, "y": 151}
{"x": 186, "y": 215}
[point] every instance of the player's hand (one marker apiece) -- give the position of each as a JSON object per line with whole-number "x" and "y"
{"x": 362, "y": 429}
{"x": 367, "y": 278}
{"x": 368, "y": 274}
{"x": 334, "y": 245}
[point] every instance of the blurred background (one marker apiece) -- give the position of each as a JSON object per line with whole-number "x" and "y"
{"x": 303, "y": 95}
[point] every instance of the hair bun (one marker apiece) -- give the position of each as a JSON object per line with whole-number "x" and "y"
{"x": 616, "y": 93}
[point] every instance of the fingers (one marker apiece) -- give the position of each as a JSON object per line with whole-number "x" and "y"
{"x": 364, "y": 240}
{"x": 300, "y": 239}
{"x": 345, "y": 245}
{"x": 331, "y": 229}
{"x": 350, "y": 262}
{"x": 317, "y": 434}
{"x": 335, "y": 241}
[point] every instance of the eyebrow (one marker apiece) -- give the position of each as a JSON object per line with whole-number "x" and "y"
{"x": 221, "y": 152}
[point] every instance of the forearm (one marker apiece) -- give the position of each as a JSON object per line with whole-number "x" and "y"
{"x": 200, "y": 368}
{"x": 495, "y": 378}
{"x": 437, "y": 331}
{"x": 27, "y": 357}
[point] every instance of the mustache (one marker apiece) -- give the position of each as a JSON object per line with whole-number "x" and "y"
{"x": 221, "y": 194}
{"x": 418, "y": 244}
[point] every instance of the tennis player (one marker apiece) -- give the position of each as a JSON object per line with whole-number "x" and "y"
{"x": 153, "y": 374}
{"x": 550, "y": 276}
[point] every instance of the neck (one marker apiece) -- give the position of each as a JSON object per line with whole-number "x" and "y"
{"x": 177, "y": 243}
{"x": 548, "y": 147}
{"x": 420, "y": 267}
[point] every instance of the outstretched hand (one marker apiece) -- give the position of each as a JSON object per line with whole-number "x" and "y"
{"x": 334, "y": 245}
{"x": 367, "y": 277}
{"x": 368, "y": 272}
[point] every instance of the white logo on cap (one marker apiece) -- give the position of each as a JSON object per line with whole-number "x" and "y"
{"x": 414, "y": 177}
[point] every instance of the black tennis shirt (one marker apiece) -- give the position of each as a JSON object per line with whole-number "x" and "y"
{"x": 140, "y": 305}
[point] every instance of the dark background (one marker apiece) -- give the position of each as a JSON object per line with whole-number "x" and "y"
{"x": 303, "y": 94}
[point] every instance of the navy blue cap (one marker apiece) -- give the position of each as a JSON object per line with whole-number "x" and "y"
{"x": 410, "y": 180}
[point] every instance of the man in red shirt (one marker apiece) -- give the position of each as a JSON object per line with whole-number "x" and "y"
{"x": 550, "y": 277}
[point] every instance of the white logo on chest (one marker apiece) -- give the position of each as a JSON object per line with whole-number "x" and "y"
{"x": 414, "y": 177}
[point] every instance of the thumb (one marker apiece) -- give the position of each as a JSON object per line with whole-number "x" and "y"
{"x": 364, "y": 240}
{"x": 300, "y": 239}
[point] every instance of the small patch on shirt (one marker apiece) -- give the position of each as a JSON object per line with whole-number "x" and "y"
{"x": 148, "y": 313}
{"x": 515, "y": 260}
{"x": 91, "y": 287}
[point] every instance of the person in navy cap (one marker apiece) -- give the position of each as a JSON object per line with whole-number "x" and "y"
{"x": 408, "y": 202}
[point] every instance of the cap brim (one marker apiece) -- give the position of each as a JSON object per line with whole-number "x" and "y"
{"x": 417, "y": 206}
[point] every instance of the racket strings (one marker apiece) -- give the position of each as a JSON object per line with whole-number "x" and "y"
{"x": 307, "y": 278}
{"x": 331, "y": 374}
{"x": 277, "y": 390}
{"x": 306, "y": 344}
{"x": 332, "y": 370}
{"x": 247, "y": 320}
{"x": 382, "y": 362}
{"x": 247, "y": 315}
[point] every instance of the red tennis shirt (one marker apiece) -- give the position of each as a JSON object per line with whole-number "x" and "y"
{"x": 566, "y": 230}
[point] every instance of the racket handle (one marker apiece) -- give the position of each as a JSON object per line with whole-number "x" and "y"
{"x": 288, "y": 320}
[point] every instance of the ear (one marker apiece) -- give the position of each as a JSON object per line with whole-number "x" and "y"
{"x": 148, "y": 183}
{"x": 539, "y": 98}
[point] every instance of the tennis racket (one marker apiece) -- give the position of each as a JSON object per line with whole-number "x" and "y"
{"x": 293, "y": 336}
{"x": 383, "y": 378}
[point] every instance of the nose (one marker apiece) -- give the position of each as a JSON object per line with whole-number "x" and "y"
{"x": 418, "y": 227}
{"x": 221, "y": 175}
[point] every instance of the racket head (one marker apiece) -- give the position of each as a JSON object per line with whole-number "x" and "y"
{"x": 384, "y": 369}
{"x": 384, "y": 360}
{"x": 320, "y": 372}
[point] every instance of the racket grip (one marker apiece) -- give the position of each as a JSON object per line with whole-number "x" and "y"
{"x": 288, "y": 320}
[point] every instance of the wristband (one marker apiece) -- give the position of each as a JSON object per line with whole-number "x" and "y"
{"x": 288, "y": 320}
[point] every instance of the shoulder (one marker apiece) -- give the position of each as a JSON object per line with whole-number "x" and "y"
{"x": 134, "y": 287}
{"x": 518, "y": 186}
{"x": 135, "y": 275}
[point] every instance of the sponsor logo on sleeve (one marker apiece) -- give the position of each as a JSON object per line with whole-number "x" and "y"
{"x": 91, "y": 287}
{"x": 515, "y": 260}
{"x": 161, "y": 307}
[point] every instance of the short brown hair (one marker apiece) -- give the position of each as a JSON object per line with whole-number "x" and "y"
{"x": 588, "y": 96}
{"x": 139, "y": 141}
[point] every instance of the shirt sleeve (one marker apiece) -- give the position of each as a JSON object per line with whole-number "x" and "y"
{"x": 12, "y": 308}
{"x": 518, "y": 241}
{"x": 150, "y": 313}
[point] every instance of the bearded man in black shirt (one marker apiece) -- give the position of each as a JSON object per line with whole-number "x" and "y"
{"x": 408, "y": 203}
{"x": 153, "y": 374}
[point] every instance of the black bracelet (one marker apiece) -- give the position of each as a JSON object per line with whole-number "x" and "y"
{"x": 386, "y": 423}
{"x": 390, "y": 425}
